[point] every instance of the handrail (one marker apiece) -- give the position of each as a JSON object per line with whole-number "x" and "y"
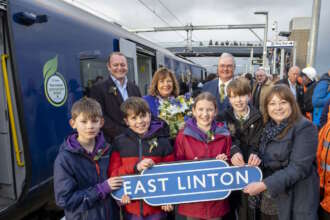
{"x": 10, "y": 109}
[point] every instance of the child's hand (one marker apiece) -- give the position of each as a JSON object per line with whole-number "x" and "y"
{"x": 144, "y": 164}
{"x": 221, "y": 157}
{"x": 167, "y": 208}
{"x": 115, "y": 182}
{"x": 125, "y": 199}
{"x": 237, "y": 160}
{"x": 254, "y": 160}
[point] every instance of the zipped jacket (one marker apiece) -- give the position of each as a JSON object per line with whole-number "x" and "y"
{"x": 80, "y": 181}
{"x": 130, "y": 149}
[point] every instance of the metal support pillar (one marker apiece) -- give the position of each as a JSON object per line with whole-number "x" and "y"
{"x": 251, "y": 61}
{"x": 274, "y": 60}
{"x": 282, "y": 63}
{"x": 314, "y": 33}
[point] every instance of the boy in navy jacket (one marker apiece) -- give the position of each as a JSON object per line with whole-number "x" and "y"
{"x": 81, "y": 185}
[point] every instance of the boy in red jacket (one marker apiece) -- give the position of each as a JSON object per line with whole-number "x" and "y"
{"x": 143, "y": 144}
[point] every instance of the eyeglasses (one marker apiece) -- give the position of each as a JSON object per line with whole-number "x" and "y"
{"x": 222, "y": 66}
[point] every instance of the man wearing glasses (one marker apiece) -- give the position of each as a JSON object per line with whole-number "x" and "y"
{"x": 226, "y": 69}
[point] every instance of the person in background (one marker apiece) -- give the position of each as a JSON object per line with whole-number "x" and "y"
{"x": 249, "y": 77}
{"x": 309, "y": 81}
{"x": 163, "y": 86}
{"x": 81, "y": 185}
{"x": 323, "y": 164}
{"x": 296, "y": 89}
{"x": 245, "y": 125}
{"x": 210, "y": 77}
{"x": 261, "y": 88}
{"x": 290, "y": 185}
{"x": 321, "y": 95}
{"x": 112, "y": 92}
{"x": 143, "y": 144}
{"x": 226, "y": 69}
{"x": 203, "y": 138}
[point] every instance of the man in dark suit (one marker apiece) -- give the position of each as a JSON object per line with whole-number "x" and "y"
{"x": 296, "y": 89}
{"x": 112, "y": 92}
{"x": 218, "y": 87}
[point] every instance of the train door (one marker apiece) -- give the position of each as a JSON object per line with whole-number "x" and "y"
{"x": 160, "y": 59}
{"x": 144, "y": 63}
{"x": 128, "y": 48}
{"x": 7, "y": 189}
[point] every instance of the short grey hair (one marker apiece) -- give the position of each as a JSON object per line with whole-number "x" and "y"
{"x": 225, "y": 55}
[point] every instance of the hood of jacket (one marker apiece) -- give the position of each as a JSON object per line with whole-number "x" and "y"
{"x": 72, "y": 145}
{"x": 326, "y": 77}
{"x": 157, "y": 128}
{"x": 217, "y": 128}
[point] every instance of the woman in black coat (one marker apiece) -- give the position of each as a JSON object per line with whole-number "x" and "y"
{"x": 290, "y": 188}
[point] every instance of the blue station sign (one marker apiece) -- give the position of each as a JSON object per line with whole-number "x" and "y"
{"x": 187, "y": 182}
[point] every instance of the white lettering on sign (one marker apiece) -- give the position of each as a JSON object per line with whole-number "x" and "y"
{"x": 151, "y": 184}
{"x": 245, "y": 178}
{"x": 186, "y": 183}
{"x": 127, "y": 187}
{"x": 212, "y": 175}
{"x": 180, "y": 187}
{"x": 197, "y": 180}
{"x": 162, "y": 180}
{"x": 139, "y": 187}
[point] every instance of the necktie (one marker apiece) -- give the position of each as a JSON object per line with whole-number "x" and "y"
{"x": 222, "y": 92}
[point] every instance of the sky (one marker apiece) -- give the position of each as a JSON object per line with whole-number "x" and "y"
{"x": 134, "y": 14}
{"x": 137, "y": 14}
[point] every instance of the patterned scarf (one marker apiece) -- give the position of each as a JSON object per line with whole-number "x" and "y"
{"x": 270, "y": 131}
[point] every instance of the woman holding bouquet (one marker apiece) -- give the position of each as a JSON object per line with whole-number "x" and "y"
{"x": 163, "y": 86}
{"x": 203, "y": 138}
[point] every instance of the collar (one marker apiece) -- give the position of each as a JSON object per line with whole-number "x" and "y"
{"x": 226, "y": 84}
{"x": 117, "y": 82}
{"x": 291, "y": 85}
{"x": 244, "y": 117}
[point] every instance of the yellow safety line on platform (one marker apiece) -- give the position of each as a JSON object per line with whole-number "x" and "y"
{"x": 10, "y": 109}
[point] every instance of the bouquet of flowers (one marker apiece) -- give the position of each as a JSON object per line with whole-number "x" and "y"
{"x": 174, "y": 111}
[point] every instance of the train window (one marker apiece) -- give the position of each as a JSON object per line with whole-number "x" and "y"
{"x": 92, "y": 71}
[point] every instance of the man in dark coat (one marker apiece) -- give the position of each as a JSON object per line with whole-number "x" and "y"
{"x": 296, "y": 89}
{"x": 112, "y": 92}
{"x": 226, "y": 69}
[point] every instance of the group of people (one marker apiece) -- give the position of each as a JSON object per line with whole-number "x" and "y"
{"x": 261, "y": 126}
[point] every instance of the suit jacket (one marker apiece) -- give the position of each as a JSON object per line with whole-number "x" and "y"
{"x": 299, "y": 93}
{"x": 108, "y": 95}
{"x": 213, "y": 88}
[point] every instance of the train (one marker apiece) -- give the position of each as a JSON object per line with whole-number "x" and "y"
{"x": 51, "y": 54}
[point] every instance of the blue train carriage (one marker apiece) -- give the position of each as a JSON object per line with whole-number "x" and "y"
{"x": 51, "y": 54}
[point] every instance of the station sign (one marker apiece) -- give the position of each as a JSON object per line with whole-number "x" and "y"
{"x": 187, "y": 182}
{"x": 280, "y": 44}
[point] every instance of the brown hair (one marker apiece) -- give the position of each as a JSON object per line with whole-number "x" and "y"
{"x": 88, "y": 107}
{"x": 283, "y": 92}
{"x": 238, "y": 87}
{"x": 205, "y": 96}
{"x": 160, "y": 74}
{"x": 115, "y": 54}
{"x": 136, "y": 105}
